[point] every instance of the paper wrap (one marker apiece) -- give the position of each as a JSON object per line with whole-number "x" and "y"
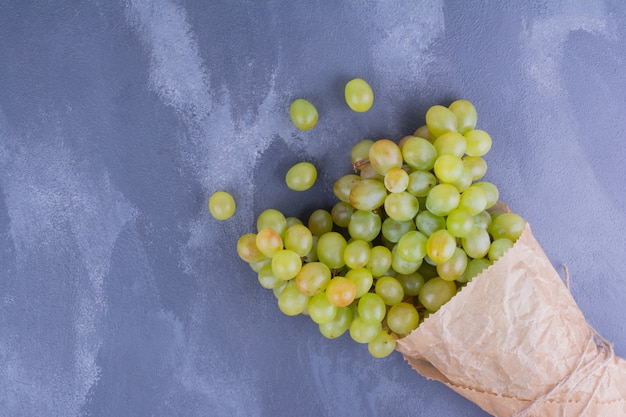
{"x": 515, "y": 343}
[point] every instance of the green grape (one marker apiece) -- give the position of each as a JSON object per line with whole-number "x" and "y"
{"x": 427, "y": 270}
{"x": 476, "y": 244}
{"x": 401, "y": 265}
{"x": 368, "y": 172}
{"x": 320, "y": 222}
{"x": 421, "y": 182}
{"x": 368, "y": 195}
{"x": 393, "y": 230}
{"x": 372, "y": 308}
{"x": 440, "y": 246}
{"x": 337, "y": 326}
{"x": 312, "y": 255}
{"x": 508, "y": 225}
{"x": 291, "y": 301}
{"x": 273, "y": 219}
{"x": 420, "y": 154}
{"x": 402, "y": 318}
{"x": 269, "y": 242}
{"x": 320, "y": 309}
{"x": 313, "y": 278}
{"x": 267, "y": 279}
{"x": 382, "y": 345}
{"x": 412, "y": 246}
{"x": 303, "y": 114}
{"x": 362, "y": 279}
{"x": 360, "y": 152}
{"x": 396, "y": 180}
{"x": 401, "y": 206}
{"x": 380, "y": 261}
{"x": 279, "y": 289}
{"x": 222, "y": 205}
{"x": 477, "y": 166}
{"x": 364, "y": 332}
{"x": 341, "y": 213}
{"x": 341, "y": 291}
{"x": 459, "y": 222}
{"x": 389, "y": 289}
{"x": 247, "y": 250}
{"x": 496, "y": 213}
{"x": 442, "y": 199}
{"x": 491, "y": 191}
{"x": 403, "y": 140}
{"x": 448, "y": 168}
{"x": 256, "y": 266}
{"x": 450, "y": 143}
{"x": 465, "y": 113}
{"x": 498, "y": 248}
{"x": 436, "y": 292}
{"x": 453, "y": 267}
{"x": 364, "y": 225}
{"x": 384, "y": 155}
{"x": 411, "y": 283}
{"x": 474, "y": 267}
{"x": 424, "y": 133}
{"x": 330, "y": 249}
{"x": 464, "y": 182}
{"x": 343, "y": 186}
{"x": 473, "y": 200}
{"x": 292, "y": 221}
{"x": 359, "y": 95}
{"x": 298, "y": 238}
{"x": 428, "y": 223}
{"x": 357, "y": 254}
{"x": 478, "y": 142}
{"x": 440, "y": 120}
{"x": 482, "y": 220}
{"x": 286, "y": 264}
{"x": 301, "y": 176}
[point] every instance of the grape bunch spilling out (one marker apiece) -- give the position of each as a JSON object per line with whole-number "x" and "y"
{"x": 413, "y": 224}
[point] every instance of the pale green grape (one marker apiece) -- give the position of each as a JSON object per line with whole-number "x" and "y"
{"x": 491, "y": 191}
{"x": 424, "y": 133}
{"x": 498, "y": 248}
{"x": 372, "y": 308}
{"x": 428, "y": 223}
{"x": 256, "y": 266}
{"x": 330, "y": 249}
{"x": 450, "y": 143}
{"x": 478, "y": 142}
{"x": 459, "y": 222}
{"x": 303, "y": 114}
{"x": 389, "y": 289}
{"x": 411, "y": 283}
{"x": 267, "y": 279}
{"x": 477, "y": 166}
{"x": 359, "y": 95}
{"x": 292, "y": 221}
{"x": 396, "y": 180}
{"x": 442, "y": 199}
{"x": 291, "y": 301}
{"x": 507, "y": 225}
{"x": 360, "y": 152}
{"x": 401, "y": 265}
{"x": 269, "y": 242}
{"x": 421, "y": 182}
{"x": 357, "y": 254}
{"x": 343, "y": 186}
{"x": 273, "y": 219}
{"x": 464, "y": 182}
{"x": 474, "y": 267}
{"x": 380, "y": 261}
{"x": 420, "y": 154}
{"x": 401, "y": 206}
{"x": 222, "y": 205}
{"x": 496, "y": 213}
{"x": 362, "y": 279}
{"x": 436, "y": 292}
{"x": 364, "y": 332}
{"x": 384, "y": 155}
{"x": 454, "y": 267}
{"x": 393, "y": 230}
{"x": 286, "y": 264}
{"x": 402, "y": 318}
{"x": 473, "y": 200}
{"x": 368, "y": 172}
{"x": 465, "y": 113}
{"x": 313, "y": 278}
{"x": 342, "y": 213}
{"x": 364, "y": 225}
{"x": 320, "y": 309}
{"x": 298, "y": 238}
{"x": 482, "y": 220}
{"x": 440, "y": 120}
{"x": 440, "y": 246}
{"x": 320, "y": 222}
{"x": 448, "y": 168}
{"x": 301, "y": 176}
{"x": 412, "y": 246}
{"x": 337, "y": 326}
{"x": 247, "y": 250}
{"x": 368, "y": 195}
{"x": 476, "y": 244}
{"x": 382, "y": 345}
{"x": 341, "y": 291}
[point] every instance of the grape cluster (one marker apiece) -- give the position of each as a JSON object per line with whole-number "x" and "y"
{"x": 413, "y": 224}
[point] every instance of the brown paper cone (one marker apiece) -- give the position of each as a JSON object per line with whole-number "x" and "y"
{"x": 514, "y": 338}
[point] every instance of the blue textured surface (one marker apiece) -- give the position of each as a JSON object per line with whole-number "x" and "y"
{"x": 121, "y": 296}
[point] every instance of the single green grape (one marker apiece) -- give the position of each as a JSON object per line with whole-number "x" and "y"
{"x": 380, "y": 261}
{"x": 330, "y": 249}
{"x": 448, "y": 168}
{"x": 402, "y": 318}
{"x": 402, "y": 266}
{"x": 357, "y": 254}
{"x": 303, "y": 114}
{"x": 364, "y": 332}
{"x": 301, "y": 176}
{"x": 337, "y": 326}
{"x": 384, "y": 155}
{"x": 476, "y": 244}
{"x": 436, "y": 292}
{"x": 491, "y": 191}
{"x": 466, "y": 115}
{"x": 442, "y": 199}
{"x": 273, "y": 219}
{"x": 428, "y": 223}
{"x": 473, "y": 200}
{"x": 368, "y": 195}
{"x": 507, "y": 225}
{"x": 477, "y": 166}
{"x": 459, "y": 222}
{"x": 267, "y": 279}
{"x": 320, "y": 222}
{"x": 478, "y": 142}
{"x": 341, "y": 291}
{"x": 450, "y": 143}
{"x": 364, "y": 225}
{"x": 321, "y": 310}
{"x": 412, "y": 246}
{"x": 343, "y": 186}
{"x": 291, "y": 301}
{"x": 342, "y": 213}
{"x": 360, "y": 153}
{"x": 389, "y": 289}
{"x": 382, "y": 345}
{"x": 286, "y": 264}
{"x": 440, "y": 120}
{"x": 393, "y": 230}
{"x": 313, "y": 278}
{"x": 372, "y": 308}
{"x": 298, "y": 238}
{"x": 411, "y": 283}
{"x": 424, "y": 133}
{"x": 401, "y": 206}
{"x": 362, "y": 279}
{"x": 396, "y": 180}
{"x": 465, "y": 181}
{"x": 419, "y": 153}
{"x": 498, "y": 248}
{"x": 269, "y": 242}
{"x": 222, "y": 205}
{"x": 247, "y": 250}
{"x": 421, "y": 182}
{"x": 482, "y": 220}
{"x": 359, "y": 95}
{"x": 440, "y": 246}
{"x": 454, "y": 267}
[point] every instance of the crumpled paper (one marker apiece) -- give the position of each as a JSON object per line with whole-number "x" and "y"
{"x": 515, "y": 343}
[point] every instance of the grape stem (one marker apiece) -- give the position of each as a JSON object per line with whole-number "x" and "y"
{"x": 357, "y": 165}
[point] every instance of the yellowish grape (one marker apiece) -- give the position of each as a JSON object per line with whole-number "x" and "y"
{"x": 301, "y": 176}
{"x": 222, "y": 205}
{"x": 359, "y": 95}
{"x": 303, "y": 114}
